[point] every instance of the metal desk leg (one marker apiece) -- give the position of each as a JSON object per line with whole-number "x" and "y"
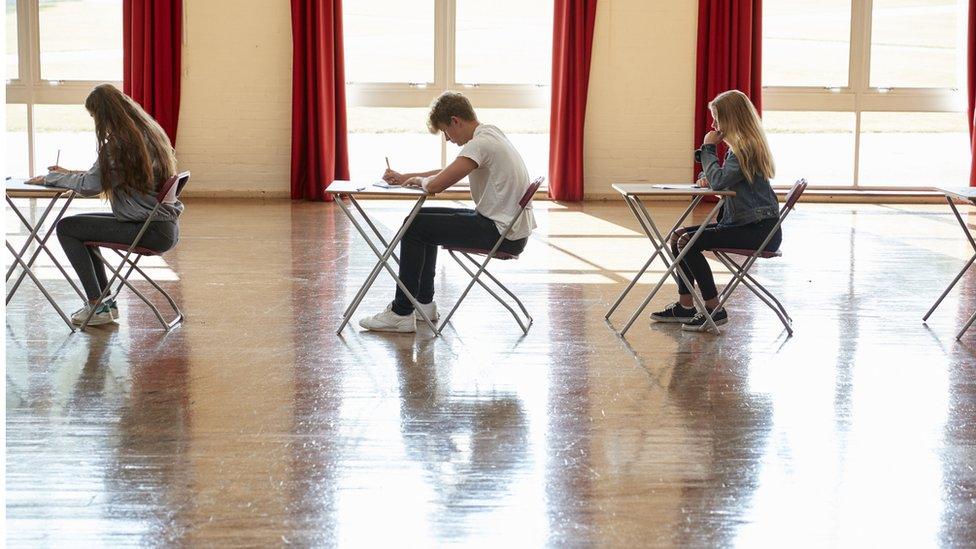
{"x": 657, "y": 249}
{"x": 965, "y": 228}
{"x": 40, "y": 286}
{"x": 382, "y": 263}
{"x": 674, "y": 264}
{"x": 43, "y": 246}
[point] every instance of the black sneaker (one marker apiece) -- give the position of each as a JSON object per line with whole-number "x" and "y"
{"x": 674, "y": 314}
{"x": 700, "y": 324}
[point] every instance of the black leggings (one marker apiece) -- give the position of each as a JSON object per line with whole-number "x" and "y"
{"x": 74, "y": 231}
{"x": 441, "y": 227}
{"x": 694, "y": 264}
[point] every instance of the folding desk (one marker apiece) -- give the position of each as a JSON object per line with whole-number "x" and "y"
{"x": 966, "y": 195}
{"x": 632, "y": 193}
{"x": 353, "y": 189}
{"x": 16, "y": 188}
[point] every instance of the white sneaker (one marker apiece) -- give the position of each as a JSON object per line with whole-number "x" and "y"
{"x": 388, "y": 321}
{"x": 103, "y": 315}
{"x": 430, "y": 309}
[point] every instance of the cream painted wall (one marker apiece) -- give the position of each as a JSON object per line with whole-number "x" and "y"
{"x": 235, "y": 111}
{"x": 639, "y": 109}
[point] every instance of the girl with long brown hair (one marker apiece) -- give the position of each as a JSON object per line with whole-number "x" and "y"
{"x": 747, "y": 218}
{"x": 135, "y": 157}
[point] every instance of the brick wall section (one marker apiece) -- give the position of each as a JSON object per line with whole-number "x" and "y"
{"x": 235, "y": 113}
{"x": 639, "y": 120}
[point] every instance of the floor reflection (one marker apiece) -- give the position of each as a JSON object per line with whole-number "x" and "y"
{"x": 255, "y": 425}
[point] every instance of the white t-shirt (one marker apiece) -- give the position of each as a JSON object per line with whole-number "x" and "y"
{"x": 499, "y": 181}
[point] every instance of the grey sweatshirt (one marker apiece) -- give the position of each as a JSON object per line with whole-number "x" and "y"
{"x": 134, "y": 207}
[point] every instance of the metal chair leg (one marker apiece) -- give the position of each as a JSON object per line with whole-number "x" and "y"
{"x": 504, "y": 288}
{"x": 475, "y": 278}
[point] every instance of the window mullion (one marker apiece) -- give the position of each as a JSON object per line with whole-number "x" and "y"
{"x": 860, "y": 70}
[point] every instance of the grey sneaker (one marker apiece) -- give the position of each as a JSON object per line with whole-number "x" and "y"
{"x": 103, "y": 315}
{"x": 388, "y": 321}
{"x": 430, "y": 309}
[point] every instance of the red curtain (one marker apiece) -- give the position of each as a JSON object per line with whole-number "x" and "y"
{"x": 971, "y": 92}
{"x": 572, "y": 43}
{"x": 152, "y": 32}
{"x": 729, "y": 56}
{"x": 319, "y": 151}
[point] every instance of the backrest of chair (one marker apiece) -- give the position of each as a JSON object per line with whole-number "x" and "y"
{"x": 530, "y": 192}
{"x": 172, "y": 188}
{"x": 794, "y": 195}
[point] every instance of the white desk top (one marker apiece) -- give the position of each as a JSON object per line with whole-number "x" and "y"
{"x": 960, "y": 193}
{"x": 16, "y": 188}
{"x": 369, "y": 188}
{"x": 654, "y": 189}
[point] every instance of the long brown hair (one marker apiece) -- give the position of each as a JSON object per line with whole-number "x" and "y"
{"x": 134, "y": 153}
{"x": 743, "y": 131}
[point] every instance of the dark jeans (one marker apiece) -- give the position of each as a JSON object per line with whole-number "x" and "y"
{"x": 441, "y": 227}
{"x": 694, "y": 264}
{"x": 74, "y": 231}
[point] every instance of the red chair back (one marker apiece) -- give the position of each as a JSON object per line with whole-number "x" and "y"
{"x": 530, "y": 192}
{"x": 795, "y": 193}
{"x": 172, "y": 188}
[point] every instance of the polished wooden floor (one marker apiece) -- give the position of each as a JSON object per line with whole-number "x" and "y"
{"x": 255, "y": 425}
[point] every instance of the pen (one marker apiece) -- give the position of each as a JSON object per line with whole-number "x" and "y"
{"x": 387, "y": 162}
{"x": 58, "y": 158}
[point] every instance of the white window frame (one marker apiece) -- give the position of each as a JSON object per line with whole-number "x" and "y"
{"x": 27, "y": 87}
{"x": 859, "y": 96}
{"x": 420, "y": 94}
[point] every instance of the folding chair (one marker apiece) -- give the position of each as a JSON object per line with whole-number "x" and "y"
{"x": 493, "y": 253}
{"x": 167, "y": 194}
{"x": 740, "y": 272}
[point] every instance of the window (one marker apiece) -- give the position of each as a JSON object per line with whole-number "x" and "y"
{"x": 81, "y": 40}
{"x": 57, "y": 51}
{"x": 401, "y": 55}
{"x": 866, "y": 92}
{"x": 11, "y": 27}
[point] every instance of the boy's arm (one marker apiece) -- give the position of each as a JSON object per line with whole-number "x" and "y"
{"x": 391, "y": 176}
{"x": 438, "y": 181}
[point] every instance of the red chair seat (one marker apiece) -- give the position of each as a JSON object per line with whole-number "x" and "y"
{"x": 747, "y": 253}
{"x": 121, "y": 247}
{"x": 478, "y": 251}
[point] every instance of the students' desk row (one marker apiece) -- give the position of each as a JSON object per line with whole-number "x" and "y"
{"x": 16, "y": 188}
{"x": 381, "y": 248}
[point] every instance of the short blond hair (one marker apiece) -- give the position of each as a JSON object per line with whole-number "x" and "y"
{"x": 447, "y": 105}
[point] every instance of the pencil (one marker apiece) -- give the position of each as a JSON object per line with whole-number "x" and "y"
{"x": 58, "y": 158}
{"x": 387, "y": 162}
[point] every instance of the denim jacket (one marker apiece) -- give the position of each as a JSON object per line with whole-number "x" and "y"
{"x": 752, "y": 201}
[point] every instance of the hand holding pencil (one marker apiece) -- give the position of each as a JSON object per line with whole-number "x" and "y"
{"x": 392, "y": 177}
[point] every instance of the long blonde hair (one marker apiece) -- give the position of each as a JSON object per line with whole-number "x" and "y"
{"x": 743, "y": 131}
{"x": 134, "y": 153}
